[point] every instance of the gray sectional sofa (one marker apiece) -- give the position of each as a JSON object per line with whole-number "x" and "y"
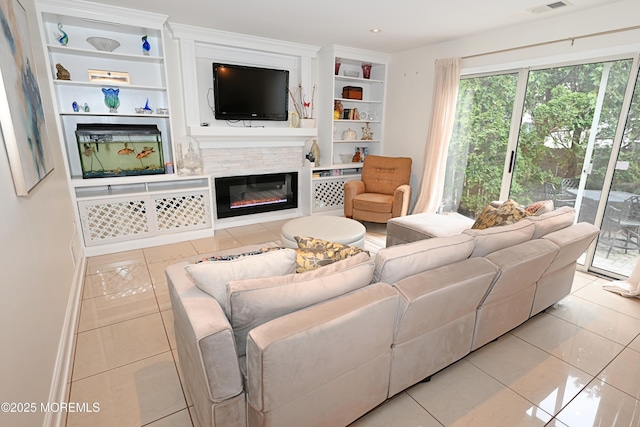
{"x": 323, "y": 348}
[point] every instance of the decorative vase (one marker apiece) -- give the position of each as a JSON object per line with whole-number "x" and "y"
{"x": 191, "y": 162}
{"x": 315, "y": 151}
{"x": 111, "y": 99}
{"x": 307, "y": 123}
{"x": 146, "y": 47}
{"x": 337, "y": 66}
{"x": 366, "y": 71}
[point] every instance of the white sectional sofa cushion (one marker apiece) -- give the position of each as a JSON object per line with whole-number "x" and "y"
{"x": 551, "y": 221}
{"x": 397, "y": 262}
{"x": 437, "y": 311}
{"x": 495, "y": 238}
{"x": 253, "y": 302}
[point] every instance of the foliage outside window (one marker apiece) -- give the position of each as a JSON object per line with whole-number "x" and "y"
{"x": 557, "y": 119}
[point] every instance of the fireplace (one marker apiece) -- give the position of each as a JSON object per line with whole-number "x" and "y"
{"x": 250, "y": 194}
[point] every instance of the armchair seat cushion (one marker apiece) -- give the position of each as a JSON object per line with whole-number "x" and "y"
{"x": 373, "y": 202}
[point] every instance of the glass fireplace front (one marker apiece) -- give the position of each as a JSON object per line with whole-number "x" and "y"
{"x": 250, "y": 194}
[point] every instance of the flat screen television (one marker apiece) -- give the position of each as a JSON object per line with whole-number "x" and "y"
{"x": 250, "y": 93}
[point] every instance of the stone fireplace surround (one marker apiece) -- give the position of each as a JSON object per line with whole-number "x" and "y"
{"x": 226, "y": 162}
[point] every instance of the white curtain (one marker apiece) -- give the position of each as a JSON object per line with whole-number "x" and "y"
{"x": 445, "y": 93}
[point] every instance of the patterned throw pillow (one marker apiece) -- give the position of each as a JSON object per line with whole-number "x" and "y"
{"x": 310, "y": 259}
{"x": 314, "y": 252}
{"x": 237, "y": 256}
{"x": 507, "y": 213}
{"x": 539, "y": 208}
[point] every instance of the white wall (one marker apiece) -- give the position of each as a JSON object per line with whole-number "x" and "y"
{"x": 409, "y": 93}
{"x": 37, "y": 271}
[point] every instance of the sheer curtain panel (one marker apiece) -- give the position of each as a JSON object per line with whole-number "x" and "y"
{"x": 445, "y": 90}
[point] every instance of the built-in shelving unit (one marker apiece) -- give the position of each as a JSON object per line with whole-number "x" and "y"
{"x": 141, "y": 79}
{"x": 326, "y": 182}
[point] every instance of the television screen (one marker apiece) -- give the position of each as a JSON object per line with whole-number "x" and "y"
{"x": 250, "y": 93}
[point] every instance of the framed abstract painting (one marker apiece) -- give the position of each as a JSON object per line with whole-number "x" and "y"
{"x": 21, "y": 114}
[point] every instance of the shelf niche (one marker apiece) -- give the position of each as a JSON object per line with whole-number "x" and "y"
{"x": 200, "y": 48}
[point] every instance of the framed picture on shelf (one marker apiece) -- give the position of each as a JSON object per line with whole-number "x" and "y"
{"x": 361, "y": 153}
{"x": 21, "y": 114}
{"x": 115, "y": 77}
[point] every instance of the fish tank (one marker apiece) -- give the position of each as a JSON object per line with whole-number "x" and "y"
{"x": 108, "y": 150}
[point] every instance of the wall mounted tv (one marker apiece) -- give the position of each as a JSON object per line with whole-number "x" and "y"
{"x": 250, "y": 93}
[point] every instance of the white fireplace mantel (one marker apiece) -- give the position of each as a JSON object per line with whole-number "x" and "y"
{"x": 236, "y": 137}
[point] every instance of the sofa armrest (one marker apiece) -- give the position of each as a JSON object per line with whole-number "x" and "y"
{"x": 351, "y": 190}
{"x": 205, "y": 341}
{"x": 401, "y": 200}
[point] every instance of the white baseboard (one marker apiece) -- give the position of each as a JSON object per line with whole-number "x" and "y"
{"x": 59, "y": 390}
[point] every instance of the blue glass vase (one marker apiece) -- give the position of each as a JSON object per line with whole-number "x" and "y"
{"x": 146, "y": 47}
{"x": 111, "y": 99}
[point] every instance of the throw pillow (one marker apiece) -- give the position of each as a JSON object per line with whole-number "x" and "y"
{"x": 539, "y": 208}
{"x": 341, "y": 249}
{"x": 213, "y": 273}
{"x": 507, "y": 213}
{"x": 310, "y": 259}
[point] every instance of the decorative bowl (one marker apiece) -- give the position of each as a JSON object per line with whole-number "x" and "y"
{"x": 350, "y": 73}
{"x": 346, "y": 158}
{"x": 103, "y": 43}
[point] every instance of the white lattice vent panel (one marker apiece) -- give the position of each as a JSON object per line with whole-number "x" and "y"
{"x": 177, "y": 212}
{"x": 329, "y": 194}
{"x": 113, "y": 220}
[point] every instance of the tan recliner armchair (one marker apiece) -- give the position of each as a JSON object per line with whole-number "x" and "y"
{"x": 384, "y": 191}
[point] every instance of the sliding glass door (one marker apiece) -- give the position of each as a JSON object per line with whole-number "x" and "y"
{"x": 566, "y": 109}
{"x": 551, "y": 133}
{"x": 614, "y": 182}
{"x": 475, "y": 163}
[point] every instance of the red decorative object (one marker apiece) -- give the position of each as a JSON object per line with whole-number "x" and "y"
{"x": 337, "y": 66}
{"x": 366, "y": 71}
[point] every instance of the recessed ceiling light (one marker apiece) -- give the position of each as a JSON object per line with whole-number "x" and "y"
{"x": 375, "y": 30}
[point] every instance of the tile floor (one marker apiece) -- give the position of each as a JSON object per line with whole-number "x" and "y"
{"x": 575, "y": 365}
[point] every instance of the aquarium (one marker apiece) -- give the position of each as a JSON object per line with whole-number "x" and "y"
{"x": 108, "y": 150}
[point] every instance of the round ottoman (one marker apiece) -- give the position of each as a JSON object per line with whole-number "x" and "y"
{"x": 332, "y": 228}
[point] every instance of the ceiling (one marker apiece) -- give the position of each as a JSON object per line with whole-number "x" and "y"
{"x": 404, "y": 24}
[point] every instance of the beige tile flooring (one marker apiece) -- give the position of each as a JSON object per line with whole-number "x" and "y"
{"x": 575, "y": 365}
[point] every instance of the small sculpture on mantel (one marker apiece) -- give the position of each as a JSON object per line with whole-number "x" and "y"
{"x": 62, "y": 73}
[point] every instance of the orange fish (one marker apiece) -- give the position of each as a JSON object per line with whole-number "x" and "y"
{"x": 125, "y": 150}
{"x": 144, "y": 153}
